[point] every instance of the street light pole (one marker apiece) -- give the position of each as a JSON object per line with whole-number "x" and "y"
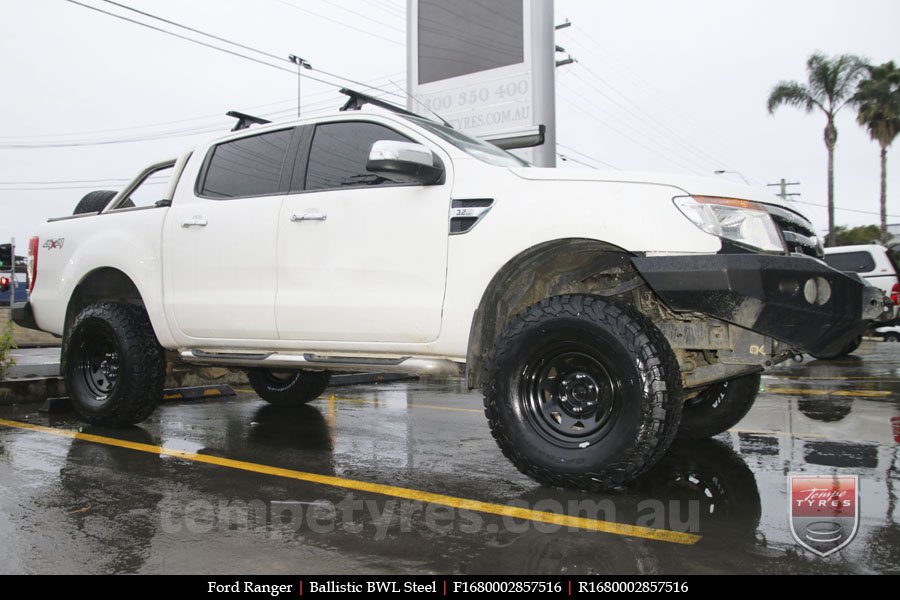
{"x": 301, "y": 64}
{"x": 738, "y": 173}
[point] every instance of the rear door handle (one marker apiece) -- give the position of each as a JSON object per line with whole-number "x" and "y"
{"x": 310, "y": 216}
{"x": 195, "y": 222}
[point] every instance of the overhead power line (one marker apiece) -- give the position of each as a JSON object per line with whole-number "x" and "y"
{"x": 592, "y": 113}
{"x": 565, "y": 158}
{"x": 218, "y": 117}
{"x": 663, "y": 142}
{"x": 587, "y": 157}
{"x": 389, "y": 8}
{"x": 240, "y": 45}
{"x": 341, "y": 23}
{"x": 366, "y": 17}
{"x": 188, "y": 39}
{"x": 108, "y": 180}
{"x": 219, "y": 48}
{"x": 582, "y": 39}
{"x": 851, "y": 210}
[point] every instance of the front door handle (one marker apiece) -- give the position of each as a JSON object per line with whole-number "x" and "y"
{"x": 195, "y": 222}
{"x": 310, "y": 216}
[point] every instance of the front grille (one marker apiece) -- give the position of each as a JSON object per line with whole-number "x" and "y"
{"x": 798, "y": 233}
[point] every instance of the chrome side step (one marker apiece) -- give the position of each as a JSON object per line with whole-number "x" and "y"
{"x": 314, "y": 362}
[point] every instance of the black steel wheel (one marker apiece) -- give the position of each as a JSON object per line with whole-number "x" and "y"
{"x": 570, "y": 395}
{"x": 582, "y": 392}
{"x": 98, "y": 365}
{"x": 115, "y": 367}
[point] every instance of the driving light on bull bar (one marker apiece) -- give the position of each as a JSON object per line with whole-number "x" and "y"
{"x": 741, "y": 221}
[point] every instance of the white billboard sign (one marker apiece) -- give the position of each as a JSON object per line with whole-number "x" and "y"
{"x": 486, "y": 66}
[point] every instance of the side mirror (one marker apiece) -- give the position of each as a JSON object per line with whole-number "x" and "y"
{"x": 405, "y": 162}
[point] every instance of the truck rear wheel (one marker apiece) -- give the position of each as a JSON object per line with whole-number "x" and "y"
{"x": 582, "y": 392}
{"x": 719, "y": 407}
{"x": 288, "y": 387}
{"x": 115, "y": 367}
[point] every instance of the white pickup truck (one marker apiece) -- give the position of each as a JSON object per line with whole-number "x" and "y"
{"x": 601, "y": 313}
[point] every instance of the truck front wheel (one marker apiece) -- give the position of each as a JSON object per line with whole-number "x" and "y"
{"x": 719, "y": 407}
{"x": 288, "y": 387}
{"x": 850, "y": 348}
{"x": 115, "y": 367}
{"x": 582, "y": 392}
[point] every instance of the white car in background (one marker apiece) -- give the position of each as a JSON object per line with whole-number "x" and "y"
{"x": 890, "y": 333}
{"x": 873, "y": 262}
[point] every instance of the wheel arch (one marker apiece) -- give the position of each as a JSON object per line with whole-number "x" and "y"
{"x": 101, "y": 284}
{"x": 562, "y": 266}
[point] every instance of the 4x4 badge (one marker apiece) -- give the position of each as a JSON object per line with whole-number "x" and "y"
{"x": 54, "y": 244}
{"x": 824, "y": 511}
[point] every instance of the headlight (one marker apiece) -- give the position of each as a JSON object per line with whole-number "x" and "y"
{"x": 740, "y": 221}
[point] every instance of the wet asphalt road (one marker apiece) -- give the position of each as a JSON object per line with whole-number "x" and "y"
{"x": 220, "y": 504}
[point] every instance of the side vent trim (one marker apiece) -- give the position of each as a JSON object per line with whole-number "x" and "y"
{"x": 466, "y": 213}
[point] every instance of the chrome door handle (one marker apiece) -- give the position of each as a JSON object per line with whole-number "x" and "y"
{"x": 196, "y": 222}
{"x": 310, "y": 216}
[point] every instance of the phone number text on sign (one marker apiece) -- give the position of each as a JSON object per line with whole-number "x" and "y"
{"x": 484, "y": 107}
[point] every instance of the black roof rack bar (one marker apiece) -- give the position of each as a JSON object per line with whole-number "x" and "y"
{"x": 245, "y": 120}
{"x": 357, "y": 100}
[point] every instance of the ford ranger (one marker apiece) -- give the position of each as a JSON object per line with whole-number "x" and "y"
{"x": 601, "y": 313}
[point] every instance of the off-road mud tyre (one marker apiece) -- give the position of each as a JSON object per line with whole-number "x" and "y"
{"x": 850, "y": 348}
{"x": 719, "y": 407}
{"x": 115, "y": 367}
{"x": 288, "y": 387}
{"x": 582, "y": 392}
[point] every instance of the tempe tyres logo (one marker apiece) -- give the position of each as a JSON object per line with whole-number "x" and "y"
{"x": 824, "y": 511}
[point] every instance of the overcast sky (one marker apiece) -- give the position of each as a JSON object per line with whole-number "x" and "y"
{"x": 660, "y": 85}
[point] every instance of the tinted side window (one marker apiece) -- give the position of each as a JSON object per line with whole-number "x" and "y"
{"x": 339, "y": 153}
{"x": 249, "y": 166}
{"x": 857, "y": 262}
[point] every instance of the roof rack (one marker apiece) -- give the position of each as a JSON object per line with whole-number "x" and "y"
{"x": 245, "y": 120}
{"x": 357, "y": 100}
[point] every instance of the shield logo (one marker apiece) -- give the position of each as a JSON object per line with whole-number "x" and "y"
{"x": 824, "y": 511}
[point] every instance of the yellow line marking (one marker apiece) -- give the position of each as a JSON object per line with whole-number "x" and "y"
{"x": 662, "y": 535}
{"x": 819, "y": 392}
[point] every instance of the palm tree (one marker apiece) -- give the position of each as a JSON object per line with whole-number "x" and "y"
{"x": 830, "y": 84}
{"x": 877, "y": 101}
